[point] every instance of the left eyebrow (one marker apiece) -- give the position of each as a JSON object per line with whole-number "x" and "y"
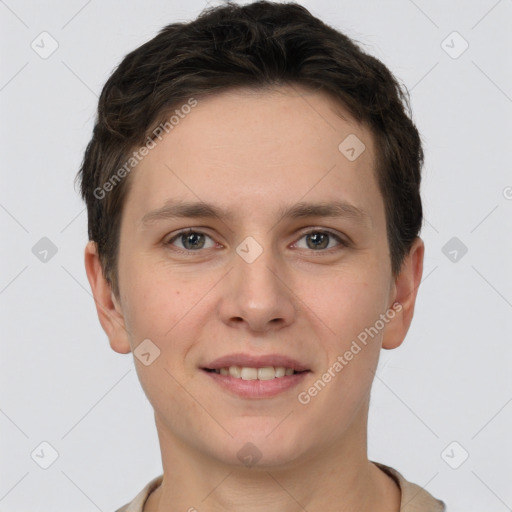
{"x": 332, "y": 209}
{"x": 197, "y": 209}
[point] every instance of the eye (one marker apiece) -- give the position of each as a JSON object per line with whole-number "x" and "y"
{"x": 319, "y": 239}
{"x": 191, "y": 240}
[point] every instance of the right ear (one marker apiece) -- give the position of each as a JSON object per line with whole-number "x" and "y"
{"x": 109, "y": 311}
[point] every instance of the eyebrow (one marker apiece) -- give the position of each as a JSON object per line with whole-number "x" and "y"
{"x": 173, "y": 209}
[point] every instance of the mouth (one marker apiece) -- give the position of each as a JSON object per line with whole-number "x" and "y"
{"x": 252, "y": 373}
{"x": 248, "y": 376}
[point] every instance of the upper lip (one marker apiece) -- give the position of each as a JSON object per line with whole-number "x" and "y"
{"x": 256, "y": 361}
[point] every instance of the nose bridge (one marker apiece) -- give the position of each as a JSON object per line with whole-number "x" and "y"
{"x": 256, "y": 294}
{"x": 259, "y": 276}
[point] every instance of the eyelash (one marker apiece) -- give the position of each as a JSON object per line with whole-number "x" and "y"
{"x": 341, "y": 242}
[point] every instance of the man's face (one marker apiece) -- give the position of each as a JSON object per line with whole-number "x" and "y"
{"x": 260, "y": 284}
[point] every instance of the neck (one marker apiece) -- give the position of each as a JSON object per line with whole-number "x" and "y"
{"x": 339, "y": 474}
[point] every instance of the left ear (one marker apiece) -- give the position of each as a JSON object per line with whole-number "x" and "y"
{"x": 404, "y": 293}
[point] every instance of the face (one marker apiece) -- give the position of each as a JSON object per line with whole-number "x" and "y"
{"x": 250, "y": 240}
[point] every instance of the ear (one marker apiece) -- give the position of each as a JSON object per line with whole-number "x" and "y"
{"x": 404, "y": 291}
{"x": 109, "y": 311}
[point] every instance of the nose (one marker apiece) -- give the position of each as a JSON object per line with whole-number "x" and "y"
{"x": 256, "y": 296}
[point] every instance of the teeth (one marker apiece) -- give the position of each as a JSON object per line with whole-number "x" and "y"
{"x": 249, "y": 373}
{"x": 266, "y": 373}
{"x": 246, "y": 373}
{"x": 234, "y": 371}
{"x": 280, "y": 371}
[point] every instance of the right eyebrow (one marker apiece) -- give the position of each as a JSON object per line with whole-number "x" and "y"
{"x": 186, "y": 209}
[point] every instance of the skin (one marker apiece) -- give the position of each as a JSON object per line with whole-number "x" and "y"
{"x": 255, "y": 152}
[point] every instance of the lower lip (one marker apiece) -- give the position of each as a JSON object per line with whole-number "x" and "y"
{"x": 257, "y": 388}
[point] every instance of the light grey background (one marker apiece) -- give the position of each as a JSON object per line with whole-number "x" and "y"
{"x": 60, "y": 381}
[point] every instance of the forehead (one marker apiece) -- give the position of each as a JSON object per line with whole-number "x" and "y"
{"x": 265, "y": 147}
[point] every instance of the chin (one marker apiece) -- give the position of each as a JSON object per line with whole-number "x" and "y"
{"x": 259, "y": 450}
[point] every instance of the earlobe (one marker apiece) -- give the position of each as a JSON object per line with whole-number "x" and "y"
{"x": 109, "y": 311}
{"x": 405, "y": 292}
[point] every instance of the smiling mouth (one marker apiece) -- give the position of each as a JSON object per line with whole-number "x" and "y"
{"x": 250, "y": 373}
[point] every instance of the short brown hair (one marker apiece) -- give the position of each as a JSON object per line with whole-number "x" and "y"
{"x": 260, "y": 45}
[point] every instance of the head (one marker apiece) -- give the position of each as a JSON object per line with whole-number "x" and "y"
{"x": 247, "y": 111}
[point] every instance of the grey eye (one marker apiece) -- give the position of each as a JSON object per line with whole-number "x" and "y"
{"x": 318, "y": 240}
{"x": 191, "y": 240}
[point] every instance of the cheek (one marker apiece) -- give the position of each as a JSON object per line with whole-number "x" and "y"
{"x": 157, "y": 302}
{"x": 347, "y": 304}
{"x": 349, "y": 308}
{"x": 171, "y": 310}
{"x": 164, "y": 311}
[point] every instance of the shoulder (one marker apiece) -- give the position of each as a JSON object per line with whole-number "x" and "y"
{"x": 137, "y": 504}
{"x": 414, "y": 498}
